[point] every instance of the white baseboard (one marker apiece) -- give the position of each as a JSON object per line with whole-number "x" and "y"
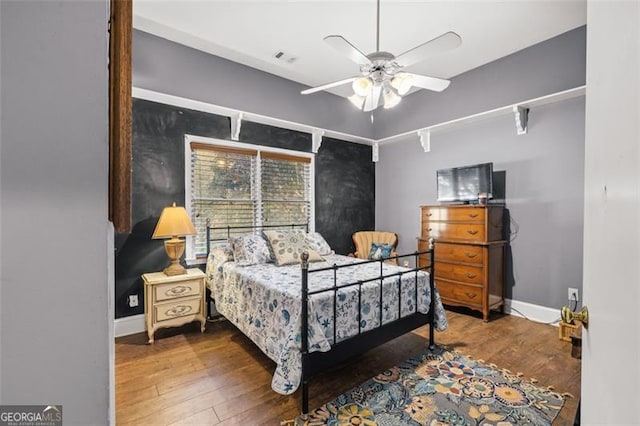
{"x": 129, "y": 325}
{"x": 135, "y": 324}
{"x": 530, "y": 311}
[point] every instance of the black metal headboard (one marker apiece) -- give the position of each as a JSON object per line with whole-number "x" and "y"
{"x": 248, "y": 229}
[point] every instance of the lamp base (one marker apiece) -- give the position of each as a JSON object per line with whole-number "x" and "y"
{"x": 174, "y": 269}
{"x": 175, "y": 249}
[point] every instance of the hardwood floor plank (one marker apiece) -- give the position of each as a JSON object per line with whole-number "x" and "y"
{"x": 221, "y": 378}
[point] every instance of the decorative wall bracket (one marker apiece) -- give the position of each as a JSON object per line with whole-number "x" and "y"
{"x": 236, "y": 123}
{"x": 522, "y": 119}
{"x": 316, "y": 140}
{"x": 425, "y": 139}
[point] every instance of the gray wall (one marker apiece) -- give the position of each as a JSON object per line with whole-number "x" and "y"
{"x": 53, "y": 175}
{"x": 160, "y": 65}
{"x": 544, "y": 192}
{"x": 548, "y": 67}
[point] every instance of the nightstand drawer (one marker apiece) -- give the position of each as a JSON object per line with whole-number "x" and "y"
{"x": 179, "y": 309}
{"x": 175, "y": 290}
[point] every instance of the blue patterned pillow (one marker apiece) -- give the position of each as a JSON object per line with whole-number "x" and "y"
{"x": 380, "y": 251}
{"x": 250, "y": 250}
{"x": 319, "y": 244}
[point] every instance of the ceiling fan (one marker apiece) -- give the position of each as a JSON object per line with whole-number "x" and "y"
{"x": 382, "y": 74}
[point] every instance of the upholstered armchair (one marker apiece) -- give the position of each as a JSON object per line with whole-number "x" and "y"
{"x": 362, "y": 240}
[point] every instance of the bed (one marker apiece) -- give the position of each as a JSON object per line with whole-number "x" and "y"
{"x": 307, "y": 316}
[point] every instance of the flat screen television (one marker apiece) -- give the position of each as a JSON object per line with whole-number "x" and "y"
{"x": 465, "y": 183}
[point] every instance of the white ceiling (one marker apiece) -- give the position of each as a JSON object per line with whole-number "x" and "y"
{"x": 251, "y": 32}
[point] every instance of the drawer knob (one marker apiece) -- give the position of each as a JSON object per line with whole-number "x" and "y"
{"x": 429, "y": 214}
{"x": 470, "y": 275}
{"x": 471, "y": 255}
{"x": 177, "y": 311}
{"x": 471, "y": 295}
{"x": 429, "y": 229}
{"x": 176, "y": 291}
{"x": 473, "y": 214}
{"x": 472, "y": 231}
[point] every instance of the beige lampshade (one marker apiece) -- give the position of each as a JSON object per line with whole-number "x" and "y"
{"x": 174, "y": 222}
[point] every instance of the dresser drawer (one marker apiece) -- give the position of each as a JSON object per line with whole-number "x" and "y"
{"x": 459, "y": 253}
{"x": 175, "y": 290}
{"x": 454, "y": 231}
{"x": 179, "y": 309}
{"x": 462, "y": 273}
{"x": 454, "y": 292}
{"x": 453, "y": 214}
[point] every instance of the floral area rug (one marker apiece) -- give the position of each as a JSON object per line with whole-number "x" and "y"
{"x": 441, "y": 387}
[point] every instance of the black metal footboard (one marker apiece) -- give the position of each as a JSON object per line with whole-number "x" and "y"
{"x": 313, "y": 362}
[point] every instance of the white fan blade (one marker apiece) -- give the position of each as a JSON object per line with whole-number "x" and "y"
{"x": 429, "y": 83}
{"x": 373, "y": 99}
{"x": 349, "y": 50}
{"x": 328, "y": 85}
{"x": 446, "y": 41}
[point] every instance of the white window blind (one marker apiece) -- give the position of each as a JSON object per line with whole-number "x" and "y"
{"x": 285, "y": 189}
{"x": 245, "y": 187}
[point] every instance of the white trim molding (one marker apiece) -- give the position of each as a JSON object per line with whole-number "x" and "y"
{"x": 532, "y": 312}
{"x": 129, "y": 325}
{"x": 237, "y": 115}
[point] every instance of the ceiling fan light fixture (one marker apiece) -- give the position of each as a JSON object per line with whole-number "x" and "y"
{"x": 402, "y": 83}
{"x": 391, "y": 99}
{"x": 362, "y": 86}
{"x": 357, "y": 100}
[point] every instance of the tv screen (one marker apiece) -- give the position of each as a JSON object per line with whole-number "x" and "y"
{"x": 465, "y": 183}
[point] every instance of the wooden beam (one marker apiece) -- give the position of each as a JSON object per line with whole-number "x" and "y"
{"x": 120, "y": 114}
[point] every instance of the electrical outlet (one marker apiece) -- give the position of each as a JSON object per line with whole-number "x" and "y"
{"x": 133, "y": 300}
{"x": 573, "y": 294}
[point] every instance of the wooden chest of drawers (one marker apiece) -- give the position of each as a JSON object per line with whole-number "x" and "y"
{"x": 171, "y": 301}
{"x": 469, "y": 254}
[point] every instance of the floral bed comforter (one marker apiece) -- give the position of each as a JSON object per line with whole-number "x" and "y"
{"x": 263, "y": 301}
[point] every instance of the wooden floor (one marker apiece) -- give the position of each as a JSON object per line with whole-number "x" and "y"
{"x": 221, "y": 378}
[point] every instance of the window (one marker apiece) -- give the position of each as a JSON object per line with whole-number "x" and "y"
{"x": 235, "y": 184}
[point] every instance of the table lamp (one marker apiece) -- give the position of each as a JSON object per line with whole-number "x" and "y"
{"x": 174, "y": 222}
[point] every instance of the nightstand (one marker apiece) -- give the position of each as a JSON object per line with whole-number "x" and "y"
{"x": 172, "y": 301}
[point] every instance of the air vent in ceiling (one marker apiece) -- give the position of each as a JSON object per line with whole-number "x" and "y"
{"x": 284, "y": 57}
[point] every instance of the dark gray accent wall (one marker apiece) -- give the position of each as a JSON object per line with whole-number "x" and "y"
{"x": 342, "y": 207}
{"x": 171, "y": 68}
{"x": 544, "y": 184}
{"x": 551, "y": 66}
{"x": 54, "y": 269}
{"x": 345, "y": 192}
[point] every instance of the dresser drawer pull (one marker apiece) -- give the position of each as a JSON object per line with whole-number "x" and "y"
{"x": 474, "y": 215}
{"x": 470, "y": 275}
{"x": 177, "y": 291}
{"x": 429, "y": 214}
{"x": 471, "y": 295}
{"x": 472, "y": 231}
{"x": 430, "y": 229}
{"x": 178, "y": 311}
{"x": 471, "y": 255}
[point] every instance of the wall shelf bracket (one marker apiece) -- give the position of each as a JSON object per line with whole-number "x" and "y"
{"x": 375, "y": 152}
{"x": 316, "y": 140}
{"x": 522, "y": 119}
{"x": 236, "y": 123}
{"x": 425, "y": 139}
